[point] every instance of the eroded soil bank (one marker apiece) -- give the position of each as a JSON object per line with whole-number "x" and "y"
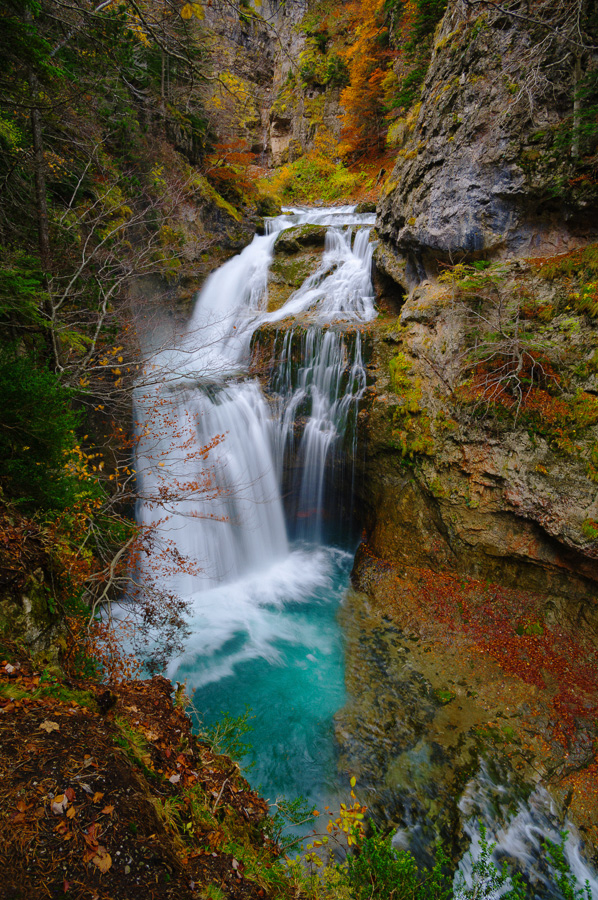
{"x": 107, "y": 793}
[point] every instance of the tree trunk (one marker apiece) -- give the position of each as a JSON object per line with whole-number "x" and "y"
{"x": 38, "y": 166}
{"x": 40, "y": 177}
{"x": 576, "y": 107}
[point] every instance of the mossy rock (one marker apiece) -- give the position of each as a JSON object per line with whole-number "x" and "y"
{"x": 267, "y": 206}
{"x": 27, "y": 617}
{"x": 278, "y": 294}
{"x": 390, "y": 265}
{"x": 366, "y": 206}
{"x": 294, "y": 239}
{"x": 293, "y": 271}
{"x": 444, "y": 697}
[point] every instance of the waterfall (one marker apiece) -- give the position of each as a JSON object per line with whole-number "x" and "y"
{"x": 519, "y": 828}
{"x": 324, "y": 387}
{"x": 238, "y": 486}
{"x": 212, "y": 449}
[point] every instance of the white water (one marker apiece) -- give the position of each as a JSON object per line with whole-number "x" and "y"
{"x": 519, "y": 829}
{"x": 218, "y": 516}
{"x": 258, "y": 600}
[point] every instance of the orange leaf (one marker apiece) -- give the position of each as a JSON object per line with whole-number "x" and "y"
{"x": 102, "y": 859}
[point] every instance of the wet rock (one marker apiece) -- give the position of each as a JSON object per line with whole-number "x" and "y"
{"x": 293, "y": 240}
{"x": 366, "y": 206}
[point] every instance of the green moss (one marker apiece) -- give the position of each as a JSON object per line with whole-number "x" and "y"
{"x": 51, "y": 688}
{"x": 590, "y": 529}
{"x": 209, "y": 192}
{"x": 529, "y": 629}
{"x": 411, "y": 433}
{"x": 444, "y": 697}
{"x": 293, "y": 272}
{"x": 294, "y": 239}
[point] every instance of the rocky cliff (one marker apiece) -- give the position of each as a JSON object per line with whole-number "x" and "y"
{"x": 497, "y": 158}
{"x": 479, "y": 490}
{"x": 490, "y": 365}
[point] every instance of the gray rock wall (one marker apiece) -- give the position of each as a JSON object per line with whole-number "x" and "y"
{"x": 485, "y": 166}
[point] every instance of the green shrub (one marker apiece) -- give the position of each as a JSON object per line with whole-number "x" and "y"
{"x": 37, "y": 431}
{"x": 379, "y": 872}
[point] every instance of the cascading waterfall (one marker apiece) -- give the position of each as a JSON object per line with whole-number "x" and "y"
{"x": 518, "y": 829}
{"x": 212, "y": 458}
{"x": 222, "y": 509}
{"x": 324, "y": 387}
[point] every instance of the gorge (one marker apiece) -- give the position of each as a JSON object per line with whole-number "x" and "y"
{"x": 263, "y": 631}
{"x": 299, "y": 373}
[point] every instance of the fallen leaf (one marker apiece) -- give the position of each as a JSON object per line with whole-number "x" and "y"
{"x": 174, "y": 779}
{"x": 108, "y": 810}
{"x": 70, "y": 794}
{"x": 91, "y": 839}
{"x": 97, "y": 797}
{"x": 49, "y": 726}
{"x": 22, "y": 806}
{"x": 59, "y": 804}
{"x": 71, "y": 812}
{"x": 102, "y": 859}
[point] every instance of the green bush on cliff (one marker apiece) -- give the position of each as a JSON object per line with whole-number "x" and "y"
{"x": 315, "y": 176}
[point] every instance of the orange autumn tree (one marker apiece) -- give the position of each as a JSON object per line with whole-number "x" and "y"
{"x": 367, "y": 63}
{"x": 387, "y": 60}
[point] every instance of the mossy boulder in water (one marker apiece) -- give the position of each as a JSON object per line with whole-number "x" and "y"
{"x": 294, "y": 239}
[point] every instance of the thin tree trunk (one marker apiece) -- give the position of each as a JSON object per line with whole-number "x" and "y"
{"x": 40, "y": 178}
{"x": 576, "y": 107}
{"x": 38, "y": 167}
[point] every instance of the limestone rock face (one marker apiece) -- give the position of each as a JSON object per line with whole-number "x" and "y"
{"x": 447, "y": 488}
{"x": 485, "y": 166}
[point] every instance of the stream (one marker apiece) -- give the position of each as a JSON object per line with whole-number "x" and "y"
{"x": 254, "y": 491}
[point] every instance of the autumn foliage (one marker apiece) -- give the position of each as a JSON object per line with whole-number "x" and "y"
{"x": 367, "y": 60}
{"x": 387, "y": 57}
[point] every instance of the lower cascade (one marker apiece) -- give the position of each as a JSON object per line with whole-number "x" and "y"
{"x": 246, "y": 489}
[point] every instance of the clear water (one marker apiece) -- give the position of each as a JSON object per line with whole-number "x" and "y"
{"x": 286, "y": 666}
{"x": 262, "y": 607}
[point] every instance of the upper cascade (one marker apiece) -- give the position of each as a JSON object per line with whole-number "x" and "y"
{"x": 208, "y": 456}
